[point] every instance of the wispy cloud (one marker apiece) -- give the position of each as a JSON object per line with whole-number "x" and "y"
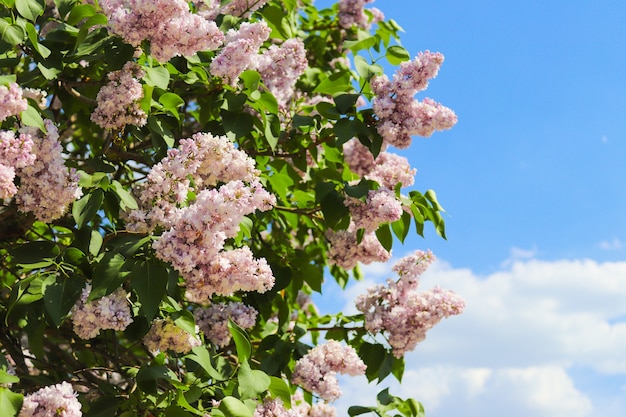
{"x": 614, "y": 244}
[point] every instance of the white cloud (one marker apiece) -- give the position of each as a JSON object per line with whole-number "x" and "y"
{"x": 614, "y": 244}
{"x": 509, "y": 354}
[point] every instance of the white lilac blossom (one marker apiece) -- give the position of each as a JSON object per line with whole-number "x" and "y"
{"x": 166, "y": 335}
{"x": 12, "y": 101}
{"x": 352, "y": 12}
{"x": 15, "y": 152}
{"x": 169, "y": 25}
{"x": 401, "y": 311}
{"x": 47, "y": 187}
{"x": 281, "y": 66}
{"x": 55, "y": 400}
{"x": 400, "y": 115}
{"x": 118, "y": 101}
{"x": 213, "y": 320}
{"x": 240, "y": 51}
{"x": 109, "y": 312}
{"x": 387, "y": 169}
{"x": 346, "y": 252}
{"x": 203, "y": 160}
{"x": 316, "y": 371}
{"x": 381, "y": 206}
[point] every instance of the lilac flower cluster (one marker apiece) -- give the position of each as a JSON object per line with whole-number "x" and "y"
{"x": 274, "y": 408}
{"x": 388, "y": 169}
{"x": 213, "y": 320}
{"x": 352, "y": 12}
{"x": 401, "y": 311}
{"x": 47, "y": 186}
{"x": 109, "y": 312}
{"x": 11, "y": 101}
{"x": 241, "y": 8}
{"x": 241, "y": 51}
{"x": 40, "y": 96}
{"x": 381, "y": 206}
{"x": 194, "y": 245}
{"x": 316, "y": 371}
{"x": 55, "y": 400}
{"x": 118, "y": 100}
{"x": 400, "y": 115}
{"x": 203, "y": 160}
{"x": 281, "y": 66}
{"x": 169, "y": 25}
{"x": 319, "y": 409}
{"x": 346, "y": 252}
{"x": 165, "y": 335}
{"x": 15, "y": 153}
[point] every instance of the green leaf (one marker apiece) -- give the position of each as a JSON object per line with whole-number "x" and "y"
{"x": 171, "y": 102}
{"x": 251, "y": 382}
{"x": 160, "y": 128}
{"x": 147, "y": 378}
{"x": 10, "y": 402}
{"x": 10, "y": 34}
{"x": 397, "y": 54}
{"x": 312, "y": 275}
{"x": 30, "y": 9}
{"x": 361, "y": 44}
{"x": 279, "y": 389}
{"x": 201, "y": 356}
{"x": 356, "y": 410}
{"x": 104, "y": 407}
{"x": 401, "y": 226}
{"x": 85, "y": 209}
{"x": 157, "y": 77}
{"x": 338, "y": 82}
{"x": 108, "y": 275}
{"x": 127, "y": 201}
{"x": 35, "y": 252}
{"x": 149, "y": 280}
{"x": 242, "y": 342}
{"x": 6, "y": 378}
{"x": 85, "y": 29}
{"x": 60, "y": 296}
{"x": 384, "y": 236}
{"x": 233, "y": 407}
{"x": 31, "y": 117}
{"x": 331, "y": 203}
{"x": 80, "y": 12}
{"x": 33, "y": 36}
{"x": 345, "y": 102}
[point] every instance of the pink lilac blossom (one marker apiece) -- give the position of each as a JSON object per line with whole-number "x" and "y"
{"x": 47, "y": 187}
{"x": 240, "y": 8}
{"x": 169, "y": 25}
{"x": 109, "y": 312}
{"x": 231, "y": 271}
{"x": 352, "y": 12}
{"x": 200, "y": 231}
{"x": 55, "y": 400}
{"x": 213, "y": 320}
{"x": 319, "y": 409}
{"x": 401, "y": 311}
{"x": 274, "y": 408}
{"x": 12, "y": 102}
{"x": 281, "y": 66}
{"x": 388, "y": 169}
{"x": 203, "y": 159}
{"x": 40, "y": 96}
{"x": 240, "y": 52}
{"x": 165, "y": 335}
{"x": 346, "y": 253}
{"x": 118, "y": 101}
{"x": 316, "y": 371}
{"x": 15, "y": 152}
{"x": 400, "y": 115}
{"x": 381, "y": 206}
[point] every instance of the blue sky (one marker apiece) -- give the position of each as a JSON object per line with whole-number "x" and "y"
{"x": 533, "y": 180}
